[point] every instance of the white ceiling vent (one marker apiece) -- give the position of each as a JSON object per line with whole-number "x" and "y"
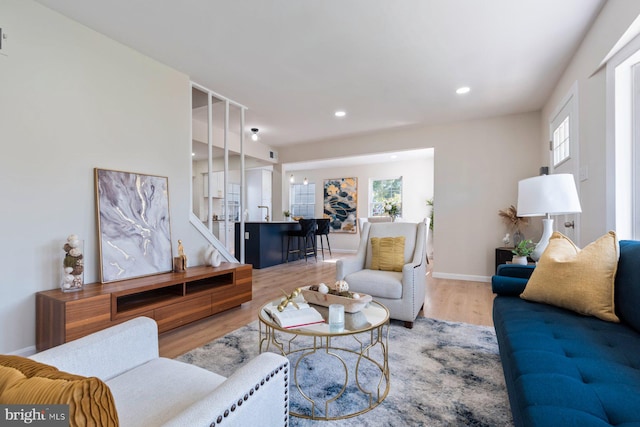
{"x": 273, "y": 155}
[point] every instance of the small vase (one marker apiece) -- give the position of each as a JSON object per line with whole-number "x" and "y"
{"x": 521, "y": 260}
{"x": 517, "y": 238}
{"x": 73, "y": 265}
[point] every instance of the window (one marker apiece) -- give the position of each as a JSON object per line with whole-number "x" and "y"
{"x": 560, "y": 143}
{"x": 385, "y": 191}
{"x": 303, "y": 200}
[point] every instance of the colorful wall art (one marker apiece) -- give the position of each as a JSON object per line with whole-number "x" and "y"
{"x": 133, "y": 224}
{"x": 341, "y": 204}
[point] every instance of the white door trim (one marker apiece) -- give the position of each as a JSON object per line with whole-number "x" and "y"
{"x": 570, "y": 104}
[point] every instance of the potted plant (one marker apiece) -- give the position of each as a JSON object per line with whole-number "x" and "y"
{"x": 522, "y": 251}
{"x": 287, "y": 215}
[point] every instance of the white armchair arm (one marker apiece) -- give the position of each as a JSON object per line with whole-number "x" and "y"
{"x": 348, "y": 266}
{"x": 255, "y": 395}
{"x": 106, "y": 353}
{"x": 420, "y": 252}
{"x": 414, "y": 273}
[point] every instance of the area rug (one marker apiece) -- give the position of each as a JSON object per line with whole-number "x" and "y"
{"x": 442, "y": 374}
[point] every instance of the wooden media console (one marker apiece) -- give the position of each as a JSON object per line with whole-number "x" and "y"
{"x": 172, "y": 299}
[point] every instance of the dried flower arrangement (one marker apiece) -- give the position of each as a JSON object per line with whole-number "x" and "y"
{"x": 510, "y": 216}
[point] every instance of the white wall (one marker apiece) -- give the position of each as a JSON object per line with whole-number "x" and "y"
{"x": 477, "y": 167}
{"x": 72, "y": 100}
{"x": 417, "y": 180}
{"x": 614, "y": 19}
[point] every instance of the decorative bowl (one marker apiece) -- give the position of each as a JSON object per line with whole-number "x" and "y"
{"x": 351, "y": 305}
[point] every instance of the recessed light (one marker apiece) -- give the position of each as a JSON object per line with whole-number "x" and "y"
{"x": 462, "y": 90}
{"x": 193, "y": 154}
{"x": 340, "y": 113}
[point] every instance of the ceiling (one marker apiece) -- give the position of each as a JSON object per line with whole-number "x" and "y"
{"x": 386, "y": 63}
{"x": 390, "y": 157}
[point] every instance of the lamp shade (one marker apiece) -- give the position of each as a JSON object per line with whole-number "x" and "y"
{"x": 548, "y": 195}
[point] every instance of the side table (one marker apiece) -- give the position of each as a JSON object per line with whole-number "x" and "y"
{"x": 504, "y": 256}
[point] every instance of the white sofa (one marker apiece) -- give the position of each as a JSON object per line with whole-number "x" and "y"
{"x": 154, "y": 391}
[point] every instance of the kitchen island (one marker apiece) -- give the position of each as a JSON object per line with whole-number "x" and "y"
{"x": 265, "y": 242}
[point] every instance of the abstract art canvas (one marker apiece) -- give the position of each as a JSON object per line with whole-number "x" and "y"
{"x": 341, "y": 204}
{"x": 133, "y": 224}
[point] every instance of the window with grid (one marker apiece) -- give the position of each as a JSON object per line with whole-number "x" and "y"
{"x": 383, "y": 192}
{"x": 560, "y": 142}
{"x": 303, "y": 200}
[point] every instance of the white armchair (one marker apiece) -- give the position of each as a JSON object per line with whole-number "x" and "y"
{"x": 403, "y": 293}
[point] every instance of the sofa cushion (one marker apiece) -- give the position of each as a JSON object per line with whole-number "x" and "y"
{"x": 169, "y": 387}
{"x": 24, "y": 380}
{"x": 628, "y": 283}
{"x": 580, "y": 280}
{"x": 387, "y": 253}
{"x": 383, "y": 284}
{"x": 565, "y": 369}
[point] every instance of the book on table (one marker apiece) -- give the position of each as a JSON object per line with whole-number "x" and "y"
{"x": 292, "y": 317}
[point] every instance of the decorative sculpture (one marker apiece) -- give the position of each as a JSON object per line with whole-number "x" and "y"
{"x": 212, "y": 257}
{"x": 180, "y": 262}
{"x": 289, "y": 299}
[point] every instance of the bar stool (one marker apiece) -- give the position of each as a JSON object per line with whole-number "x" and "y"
{"x": 305, "y": 239}
{"x": 323, "y": 230}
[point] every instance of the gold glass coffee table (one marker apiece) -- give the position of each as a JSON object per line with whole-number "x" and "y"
{"x": 337, "y": 374}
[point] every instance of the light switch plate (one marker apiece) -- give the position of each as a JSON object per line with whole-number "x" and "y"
{"x": 584, "y": 173}
{"x": 246, "y": 235}
{"x": 3, "y": 42}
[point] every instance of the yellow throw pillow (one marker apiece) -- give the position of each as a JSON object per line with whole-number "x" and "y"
{"x": 578, "y": 280}
{"x": 387, "y": 253}
{"x": 25, "y": 381}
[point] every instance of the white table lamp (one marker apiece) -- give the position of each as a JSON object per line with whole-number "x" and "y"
{"x": 547, "y": 195}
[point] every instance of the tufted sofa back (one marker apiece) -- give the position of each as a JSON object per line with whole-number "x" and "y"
{"x": 627, "y": 285}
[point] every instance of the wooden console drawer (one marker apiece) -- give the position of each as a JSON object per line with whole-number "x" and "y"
{"x": 183, "y": 312}
{"x": 230, "y": 296}
{"x": 86, "y": 316}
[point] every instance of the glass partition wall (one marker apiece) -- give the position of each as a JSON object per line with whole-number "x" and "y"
{"x": 217, "y": 140}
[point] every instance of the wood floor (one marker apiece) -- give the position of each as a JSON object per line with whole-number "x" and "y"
{"x": 452, "y": 300}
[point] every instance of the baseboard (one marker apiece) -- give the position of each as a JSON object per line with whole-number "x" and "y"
{"x": 341, "y": 251}
{"x": 466, "y": 277}
{"x": 25, "y": 352}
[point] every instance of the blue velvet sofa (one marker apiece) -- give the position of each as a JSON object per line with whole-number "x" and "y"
{"x": 565, "y": 369}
